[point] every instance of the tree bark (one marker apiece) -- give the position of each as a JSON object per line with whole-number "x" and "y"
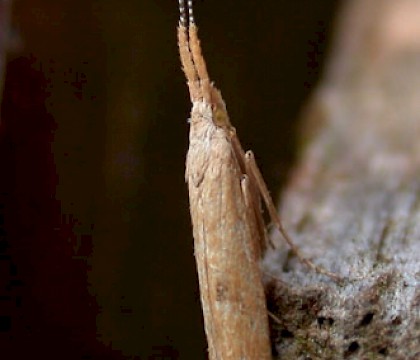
{"x": 353, "y": 202}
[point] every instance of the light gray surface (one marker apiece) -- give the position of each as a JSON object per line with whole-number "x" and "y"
{"x": 353, "y": 205}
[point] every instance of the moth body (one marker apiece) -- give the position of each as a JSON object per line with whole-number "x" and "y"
{"x": 231, "y": 290}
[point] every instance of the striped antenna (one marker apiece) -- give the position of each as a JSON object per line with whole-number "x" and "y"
{"x": 182, "y": 13}
{"x": 186, "y": 13}
{"x": 190, "y": 12}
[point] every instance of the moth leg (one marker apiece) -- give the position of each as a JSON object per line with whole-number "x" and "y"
{"x": 255, "y": 175}
{"x": 255, "y": 221}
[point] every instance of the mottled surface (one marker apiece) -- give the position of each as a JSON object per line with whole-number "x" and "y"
{"x": 353, "y": 205}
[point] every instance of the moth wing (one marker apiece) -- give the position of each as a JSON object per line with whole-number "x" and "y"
{"x": 227, "y": 259}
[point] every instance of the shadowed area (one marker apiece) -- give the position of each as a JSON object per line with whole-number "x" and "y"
{"x": 96, "y": 250}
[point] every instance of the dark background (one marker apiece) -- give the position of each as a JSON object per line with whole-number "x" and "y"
{"x": 96, "y": 256}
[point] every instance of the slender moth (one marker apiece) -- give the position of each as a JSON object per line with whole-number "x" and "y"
{"x": 225, "y": 186}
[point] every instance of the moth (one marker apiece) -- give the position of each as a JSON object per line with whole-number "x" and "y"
{"x": 225, "y": 186}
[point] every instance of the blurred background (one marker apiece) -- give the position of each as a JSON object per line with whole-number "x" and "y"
{"x": 96, "y": 254}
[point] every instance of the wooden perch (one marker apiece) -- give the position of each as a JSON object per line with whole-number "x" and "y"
{"x": 353, "y": 203}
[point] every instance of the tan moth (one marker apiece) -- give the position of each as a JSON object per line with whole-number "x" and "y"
{"x": 225, "y": 186}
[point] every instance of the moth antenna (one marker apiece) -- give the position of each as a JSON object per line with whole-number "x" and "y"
{"x": 190, "y": 13}
{"x": 185, "y": 53}
{"x": 192, "y": 60}
{"x": 183, "y": 13}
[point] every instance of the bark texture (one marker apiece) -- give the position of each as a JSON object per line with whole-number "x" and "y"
{"x": 353, "y": 203}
